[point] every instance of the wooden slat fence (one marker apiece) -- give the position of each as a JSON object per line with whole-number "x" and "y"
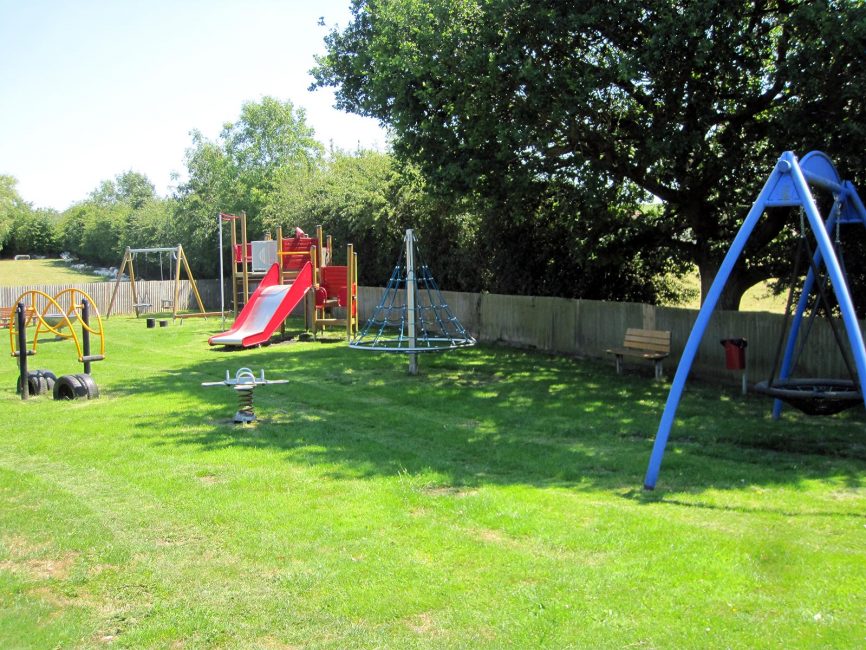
{"x": 586, "y": 328}
{"x": 149, "y": 291}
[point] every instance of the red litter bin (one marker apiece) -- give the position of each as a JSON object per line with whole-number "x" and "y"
{"x": 735, "y": 353}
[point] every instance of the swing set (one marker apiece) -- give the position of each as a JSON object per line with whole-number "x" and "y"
{"x": 790, "y": 186}
{"x": 141, "y": 301}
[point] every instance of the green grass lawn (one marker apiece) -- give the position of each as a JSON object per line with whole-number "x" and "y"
{"x": 758, "y": 298}
{"x": 492, "y": 501}
{"x": 15, "y": 273}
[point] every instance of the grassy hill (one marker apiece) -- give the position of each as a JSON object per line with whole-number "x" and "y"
{"x": 24, "y": 272}
{"x": 758, "y": 298}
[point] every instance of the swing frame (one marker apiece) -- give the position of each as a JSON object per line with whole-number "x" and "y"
{"x": 127, "y": 265}
{"x": 787, "y": 186}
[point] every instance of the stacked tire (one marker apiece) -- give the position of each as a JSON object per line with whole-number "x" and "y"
{"x": 39, "y": 382}
{"x": 80, "y": 386}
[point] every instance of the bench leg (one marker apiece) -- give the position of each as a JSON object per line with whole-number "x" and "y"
{"x": 619, "y": 364}
{"x": 658, "y": 370}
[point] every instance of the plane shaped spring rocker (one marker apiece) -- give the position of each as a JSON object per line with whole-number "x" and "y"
{"x": 789, "y": 185}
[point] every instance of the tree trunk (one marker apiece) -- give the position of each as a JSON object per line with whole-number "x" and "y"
{"x": 735, "y": 286}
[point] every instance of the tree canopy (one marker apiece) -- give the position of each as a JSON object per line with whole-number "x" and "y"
{"x": 688, "y": 102}
{"x": 241, "y": 170}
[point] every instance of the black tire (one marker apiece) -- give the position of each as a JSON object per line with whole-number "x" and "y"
{"x": 50, "y": 378}
{"x": 90, "y": 387}
{"x": 69, "y": 387}
{"x": 36, "y": 383}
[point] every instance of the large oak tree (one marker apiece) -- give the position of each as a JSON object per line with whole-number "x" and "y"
{"x": 692, "y": 102}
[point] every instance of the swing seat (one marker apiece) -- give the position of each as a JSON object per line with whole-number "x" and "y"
{"x": 814, "y": 396}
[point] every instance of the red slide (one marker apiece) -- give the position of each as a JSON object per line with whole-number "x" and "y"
{"x": 270, "y": 305}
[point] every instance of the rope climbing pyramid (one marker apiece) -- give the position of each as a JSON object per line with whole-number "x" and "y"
{"x": 412, "y": 316}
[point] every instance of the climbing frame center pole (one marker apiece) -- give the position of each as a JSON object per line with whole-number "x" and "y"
{"x": 410, "y": 299}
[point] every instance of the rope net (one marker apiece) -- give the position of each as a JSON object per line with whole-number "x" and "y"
{"x": 428, "y": 325}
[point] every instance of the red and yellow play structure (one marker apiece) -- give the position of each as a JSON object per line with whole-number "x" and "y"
{"x": 287, "y": 270}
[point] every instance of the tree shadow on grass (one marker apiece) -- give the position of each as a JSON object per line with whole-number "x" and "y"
{"x": 499, "y": 416}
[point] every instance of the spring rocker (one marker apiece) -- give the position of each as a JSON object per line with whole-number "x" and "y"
{"x": 57, "y": 315}
{"x": 243, "y": 383}
{"x": 789, "y": 185}
{"x": 412, "y": 316}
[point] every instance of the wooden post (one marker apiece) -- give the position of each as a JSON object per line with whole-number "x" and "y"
{"x": 181, "y": 256}
{"x": 280, "y": 252}
{"x": 127, "y": 258}
{"x": 350, "y": 300}
{"x": 234, "y": 268}
{"x": 132, "y": 285}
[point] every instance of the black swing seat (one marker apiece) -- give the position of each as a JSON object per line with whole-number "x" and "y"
{"x": 814, "y": 396}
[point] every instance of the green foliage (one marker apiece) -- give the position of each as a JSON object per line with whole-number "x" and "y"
{"x": 348, "y": 196}
{"x": 692, "y": 103}
{"x": 130, "y": 188}
{"x": 241, "y": 172}
{"x": 23, "y": 230}
{"x": 120, "y": 213}
{"x": 368, "y": 199}
{"x": 34, "y": 233}
{"x": 11, "y": 206}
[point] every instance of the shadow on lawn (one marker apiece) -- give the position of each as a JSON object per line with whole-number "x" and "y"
{"x": 495, "y": 415}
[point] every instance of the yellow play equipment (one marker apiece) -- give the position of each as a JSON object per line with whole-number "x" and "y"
{"x": 57, "y": 315}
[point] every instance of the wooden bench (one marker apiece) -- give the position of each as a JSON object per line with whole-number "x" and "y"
{"x": 8, "y": 313}
{"x": 652, "y": 345}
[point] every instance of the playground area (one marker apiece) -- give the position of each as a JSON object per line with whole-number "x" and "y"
{"x": 494, "y": 500}
{"x": 489, "y": 498}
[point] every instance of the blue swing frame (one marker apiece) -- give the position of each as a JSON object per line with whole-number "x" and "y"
{"x": 787, "y": 186}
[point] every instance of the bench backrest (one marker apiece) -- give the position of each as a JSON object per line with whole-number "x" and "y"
{"x": 652, "y": 340}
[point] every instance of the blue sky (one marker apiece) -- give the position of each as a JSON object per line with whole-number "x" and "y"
{"x": 93, "y": 88}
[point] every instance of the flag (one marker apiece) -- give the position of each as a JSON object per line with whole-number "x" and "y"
{"x": 228, "y": 217}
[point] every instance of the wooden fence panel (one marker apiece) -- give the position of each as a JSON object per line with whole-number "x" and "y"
{"x": 149, "y": 291}
{"x": 589, "y": 327}
{"x": 557, "y": 325}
